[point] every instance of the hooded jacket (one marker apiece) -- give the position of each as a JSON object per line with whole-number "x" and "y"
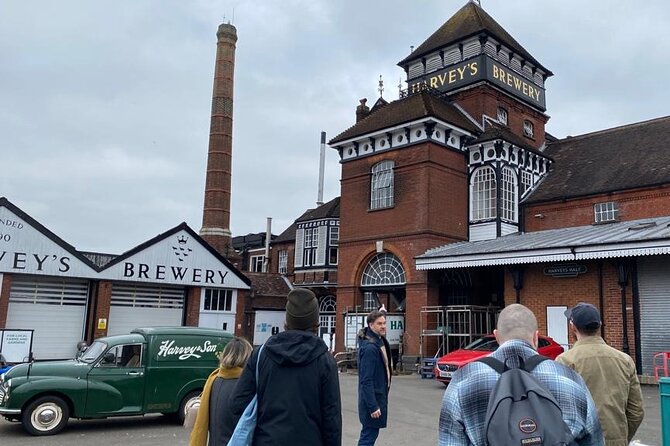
{"x": 374, "y": 377}
{"x": 298, "y": 392}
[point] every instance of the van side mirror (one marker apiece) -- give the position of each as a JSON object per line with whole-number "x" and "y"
{"x": 109, "y": 358}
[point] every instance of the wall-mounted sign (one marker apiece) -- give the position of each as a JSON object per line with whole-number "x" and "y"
{"x": 16, "y": 345}
{"x": 481, "y": 68}
{"x": 102, "y": 323}
{"x": 565, "y": 270}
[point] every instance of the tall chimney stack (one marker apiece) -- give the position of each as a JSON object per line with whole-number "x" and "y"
{"x": 216, "y": 211}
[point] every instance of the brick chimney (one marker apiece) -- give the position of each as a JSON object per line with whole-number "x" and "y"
{"x": 216, "y": 211}
{"x": 362, "y": 110}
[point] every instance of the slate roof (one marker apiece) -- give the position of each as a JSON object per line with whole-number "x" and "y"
{"x": 468, "y": 21}
{"x": 330, "y": 209}
{"x": 626, "y": 157}
{"x": 268, "y": 285}
{"x": 416, "y": 106}
{"x": 627, "y": 238}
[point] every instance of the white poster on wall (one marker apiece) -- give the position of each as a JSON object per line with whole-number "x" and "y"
{"x": 557, "y": 325}
{"x": 268, "y": 323}
{"x": 15, "y": 345}
{"x": 395, "y": 326}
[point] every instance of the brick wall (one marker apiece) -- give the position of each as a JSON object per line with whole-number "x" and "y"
{"x": 633, "y": 204}
{"x": 192, "y": 306}
{"x": 103, "y": 303}
{"x": 4, "y": 299}
{"x": 430, "y": 209}
{"x": 540, "y": 291}
{"x": 484, "y": 100}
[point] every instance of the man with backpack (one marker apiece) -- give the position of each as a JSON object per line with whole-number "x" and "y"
{"x": 518, "y": 398}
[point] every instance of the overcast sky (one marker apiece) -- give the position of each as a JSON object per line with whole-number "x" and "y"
{"x": 105, "y": 105}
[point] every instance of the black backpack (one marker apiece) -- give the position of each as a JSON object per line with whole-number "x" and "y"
{"x": 521, "y": 411}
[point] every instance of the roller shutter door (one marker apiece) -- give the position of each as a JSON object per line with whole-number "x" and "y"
{"x": 654, "y": 288}
{"x": 138, "y": 305}
{"x": 54, "y": 308}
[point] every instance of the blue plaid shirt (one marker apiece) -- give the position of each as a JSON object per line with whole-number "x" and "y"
{"x": 463, "y": 414}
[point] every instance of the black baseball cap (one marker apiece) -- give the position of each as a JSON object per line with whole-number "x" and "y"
{"x": 583, "y": 315}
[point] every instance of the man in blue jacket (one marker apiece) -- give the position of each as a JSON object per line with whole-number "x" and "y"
{"x": 374, "y": 378}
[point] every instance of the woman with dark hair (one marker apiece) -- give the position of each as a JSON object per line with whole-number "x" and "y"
{"x": 215, "y": 418}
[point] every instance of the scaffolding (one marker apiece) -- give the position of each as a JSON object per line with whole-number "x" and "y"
{"x": 447, "y": 328}
{"x": 468, "y": 323}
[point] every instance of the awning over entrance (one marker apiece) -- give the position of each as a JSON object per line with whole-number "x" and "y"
{"x": 649, "y": 236}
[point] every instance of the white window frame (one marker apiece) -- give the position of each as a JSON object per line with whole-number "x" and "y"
{"x": 483, "y": 194}
{"x": 282, "y": 267}
{"x": 334, "y": 235}
{"x": 370, "y": 301}
{"x": 528, "y": 129}
{"x": 526, "y": 181}
{"x": 382, "y": 185}
{"x": 502, "y": 115}
{"x": 256, "y": 263}
{"x": 215, "y": 297}
{"x": 310, "y": 247}
{"x": 508, "y": 192}
{"x": 606, "y": 212}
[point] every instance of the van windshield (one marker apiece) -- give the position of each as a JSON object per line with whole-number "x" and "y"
{"x": 93, "y": 351}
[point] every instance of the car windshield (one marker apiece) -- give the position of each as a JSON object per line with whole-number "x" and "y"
{"x": 488, "y": 344}
{"x": 93, "y": 351}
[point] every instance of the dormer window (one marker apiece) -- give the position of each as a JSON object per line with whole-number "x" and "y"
{"x": 606, "y": 212}
{"x": 528, "y": 129}
{"x": 502, "y": 115}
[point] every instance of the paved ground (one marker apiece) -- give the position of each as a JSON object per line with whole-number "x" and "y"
{"x": 413, "y": 421}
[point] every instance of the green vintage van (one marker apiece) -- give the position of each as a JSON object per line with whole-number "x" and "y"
{"x": 150, "y": 370}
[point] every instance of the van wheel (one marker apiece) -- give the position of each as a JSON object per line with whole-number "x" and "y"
{"x": 46, "y": 415}
{"x": 187, "y": 401}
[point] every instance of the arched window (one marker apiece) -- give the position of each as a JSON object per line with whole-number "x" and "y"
{"x": 381, "y": 185}
{"x": 328, "y": 304}
{"x": 508, "y": 205}
{"x": 483, "y": 194}
{"x": 383, "y": 269}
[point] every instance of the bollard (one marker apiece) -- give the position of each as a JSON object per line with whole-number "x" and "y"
{"x": 664, "y": 389}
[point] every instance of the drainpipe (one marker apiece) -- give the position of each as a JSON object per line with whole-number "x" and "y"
{"x": 636, "y": 317}
{"x": 601, "y": 298}
{"x": 517, "y": 278}
{"x": 623, "y": 282}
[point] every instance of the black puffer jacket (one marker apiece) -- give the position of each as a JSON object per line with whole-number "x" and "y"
{"x": 298, "y": 392}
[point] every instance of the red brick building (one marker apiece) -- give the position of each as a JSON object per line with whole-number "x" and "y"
{"x": 456, "y": 202}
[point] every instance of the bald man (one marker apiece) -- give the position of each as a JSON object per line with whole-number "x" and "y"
{"x": 463, "y": 414}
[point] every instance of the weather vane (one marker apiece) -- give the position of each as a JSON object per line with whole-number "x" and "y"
{"x": 380, "y": 89}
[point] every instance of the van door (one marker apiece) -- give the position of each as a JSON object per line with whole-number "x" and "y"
{"x": 116, "y": 383}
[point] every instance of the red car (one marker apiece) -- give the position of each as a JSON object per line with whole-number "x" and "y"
{"x": 449, "y": 363}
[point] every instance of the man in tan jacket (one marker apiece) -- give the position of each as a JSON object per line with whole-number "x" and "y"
{"x": 609, "y": 374}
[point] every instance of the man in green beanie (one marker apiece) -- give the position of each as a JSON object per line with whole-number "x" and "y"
{"x": 298, "y": 386}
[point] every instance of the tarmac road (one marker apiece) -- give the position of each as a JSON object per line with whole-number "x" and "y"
{"x": 413, "y": 417}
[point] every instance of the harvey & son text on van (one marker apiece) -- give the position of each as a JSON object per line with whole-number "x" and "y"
{"x": 168, "y": 349}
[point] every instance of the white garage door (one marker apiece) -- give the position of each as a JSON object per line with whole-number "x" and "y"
{"x": 54, "y": 308}
{"x": 144, "y": 306}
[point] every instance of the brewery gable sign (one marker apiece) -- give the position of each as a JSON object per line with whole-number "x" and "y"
{"x": 178, "y": 258}
{"x": 481, "y": 68}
